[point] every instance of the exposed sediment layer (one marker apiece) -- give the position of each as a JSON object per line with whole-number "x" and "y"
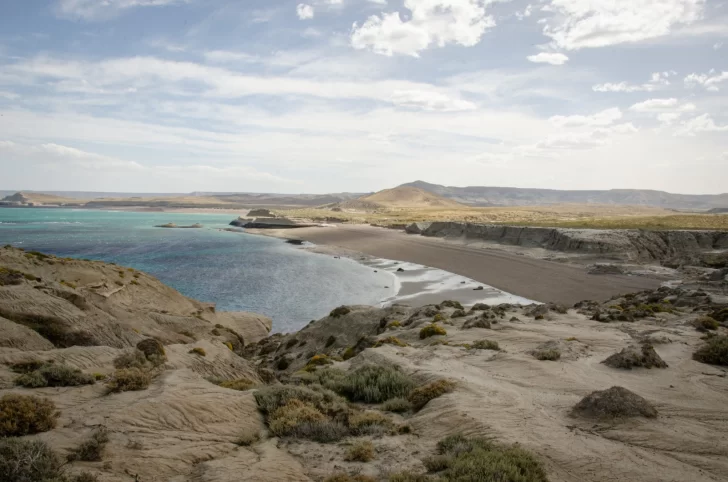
{"x": 632, "y": 245}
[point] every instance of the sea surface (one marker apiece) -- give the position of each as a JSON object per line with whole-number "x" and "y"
{"x": 237, "y": 271}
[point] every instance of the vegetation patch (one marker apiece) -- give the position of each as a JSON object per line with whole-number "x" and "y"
{"x": 480, "y": 322}
{"x": 706, "y": 323}
{"x": 11, "y": 277}
{"x": 394, "y": 324}
{"x": 241, "y": 384}
{"x": 548, "y": 354}
{"x": 198, "y": 351}
{"x": 616, "y": 402}
{"x": 153, "y": 350}
{"x": 459, "y": 314}
{"x": 408, "y": 476}
{"x": 339, "y": 312}
{"x": 29, "y": 461}
{"x": 390, "y": 340}
{"x": 451, "y": 304}
{"x": 350, "y": 478}
{"x": 438, "y": 318}
{"x": 369, "y": 423}
{"x": 131, "y": 359}
{"x": 714, "y": 351}
{"x": 421, "y": 396}
{"x": 26, "y": 415}
{"x": 465, "y": 459}
{"x": 362, "y": 451}
{"x": 397, "y": 405}
{"x": 432, "y": 330}
{"x": 55, "y": 375}
{"x": 486, "y": 345}
{"x": 318, "y": 361}
{"x": 375, "y": 384}
{"x": 91, "y": 450}
{"x": 129, "y": 380}
{"x": 631, "y": 357}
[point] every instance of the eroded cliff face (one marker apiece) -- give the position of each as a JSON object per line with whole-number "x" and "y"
{"x": 630, "y": 245}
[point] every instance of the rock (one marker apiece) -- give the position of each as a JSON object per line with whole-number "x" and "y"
{"x": 480, "y": 307}
{"x": 152, "y": 349}
{"x": 605, "y": 269}
{"x": 297, "y": 242}
{"x": 616, "y": 402}
{"x": 479, "y": 288}
{"x": 400, "y": 270}
{"x": 417, "y": 228}
{"x": 451, "y": 304}
{"x": 633, "y": 356}
{"x": 458, "y": 314}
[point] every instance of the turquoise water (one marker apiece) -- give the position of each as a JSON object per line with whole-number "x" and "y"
{"x": 238, "y": 272}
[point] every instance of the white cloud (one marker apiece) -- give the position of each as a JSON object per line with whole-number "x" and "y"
{"x": 708, "y": 81}
{"x": 378, "y": 2}
{"x": 585, "y": 139}
{"x": 8, "y": 95}
{"x": 105, "y": 9}
{"x": 225, "y": 56}
{"x": 657, "y": 80}
{"x": 304, "y": 11}
{"x": 702, "y": 123}
{"x": 431, "y": 22}
{"x": 549, "y": 58}
{"x": 525, "y": 13}
{"x": 56, "y": 153}
{"x": 603, "y": 118}
{"x": 662, "y": 105}
{"x": 578, "y": 24}
{"x": 717, "y": 45}
{"x": 429, "y": 100}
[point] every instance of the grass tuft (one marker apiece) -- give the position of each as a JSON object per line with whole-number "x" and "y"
{"x": 26, "y": 415}
{"x": 375, "y": 384}
{"x": 714, "y": 351}
{"x": 432, "y": 330}
{"x": 129, "y": 380}
{"x": 421, "y": 396}
{"x": 198, "y": 351}
{"x": 362, "y": 451}
{"x": 486, "y": 345}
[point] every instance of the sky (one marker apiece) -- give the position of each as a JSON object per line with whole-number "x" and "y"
{"x": 322, "y": 96}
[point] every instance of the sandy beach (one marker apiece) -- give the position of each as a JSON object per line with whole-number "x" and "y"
{"x": 535, "y": 279}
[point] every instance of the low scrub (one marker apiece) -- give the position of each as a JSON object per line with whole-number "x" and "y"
{"x": 318, "y": 361}
{"x": 375, "y": 384}
{"x": 451, "y": 304}
{"x": 408, "y": 476}
{"x": 432, "y": 330}
{"x": 362, "y": 451}
{"x": 339, "y": 312}
{"x": 714, "y": 351}
{"x": 131, "y": 359}
{"x": 271, "y": 398}
{"x": 390, "y": 340}
{"x": 91, "y": 450}
{"x": 241, "y": 384}
{"x": 486, "y": 345}
{"x": 369, "y": 423}
{"x": 26, "y": 415}
{"x": 421, "y": 396}
{"x": 55, "y": 375}
{"x": 350, "y": 478}
{"x": 706, "y": 323}
{"x": 129, "y": 380}
{"x": 300, "y": 419}
{"x": 616, "y": 402}
{"x": 198, "y": 351}
{"x": 397, "y": 405}
{"x": 551, "y": 354}
{"x": 465, "y": 459}
{"x": 29, "y": 461}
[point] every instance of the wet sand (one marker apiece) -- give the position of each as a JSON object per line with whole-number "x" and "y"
{"x": 535, "y": 279}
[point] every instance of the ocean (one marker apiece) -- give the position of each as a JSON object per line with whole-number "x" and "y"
{"x": 236, "y": 271}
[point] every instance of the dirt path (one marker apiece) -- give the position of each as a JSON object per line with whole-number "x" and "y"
{"x": 531, "y": 278}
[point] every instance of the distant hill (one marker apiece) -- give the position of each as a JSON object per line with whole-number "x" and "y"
{"x": 512, "y": 196}
{"x": 37, "y": 198}
{"x": 409, "y": 197}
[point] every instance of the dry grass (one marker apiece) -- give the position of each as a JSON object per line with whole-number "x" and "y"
{"x": 397, "y": 405}
{"x": 91, "y": 449}
{"x": 706, "y": 323}
{"x": 486, "y": 345}
{"x": 432, "y": 330}
{"x": 29, "y": 461}
{"x": 130, "y": 380}
{"x": 369, "y": 423}
{"x": 390, "y": 340}
{"x": 714, "y": 351}
{"x": 548, "y": 354}
{"x": 362, "y": 451}
{"x": 198, "y": 351}
{"x": 241, "y": 384}
{"x": 421, "y": 396}
{"x": 26, "y": 415}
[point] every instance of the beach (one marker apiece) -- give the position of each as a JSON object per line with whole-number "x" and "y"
{"x": 534, "y": 279}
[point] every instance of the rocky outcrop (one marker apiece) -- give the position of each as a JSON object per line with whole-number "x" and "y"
{"x": 268, "y": 223}
{"x": 632, "y": 245}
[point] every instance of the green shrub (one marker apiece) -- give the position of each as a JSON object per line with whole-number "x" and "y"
{"x": 28, "y": 366}
{"x": 714, "y": 351}
{"x": 397, "y": 405}
{"x": 437, "y": 463}
{"x": 362, "y": 451}
{"x": 29, "y": 461}
{"x": 131, "y": 359}
{"x": 451, "y": 304}
{"x": 420, "y": 396}
{"x": 299, "y": 419}
{"x": 394, "y": 324}
{"x": 550, "y": 354}
{"x": 241, "y": 384}
{"x": 31, "y": 380}
{"x": 407, "y": 476}
{"x": 375, "y": 384}
{"x": 438, "y": 317}
{"x": 432, "y": 330}
{"x": 369, "y": 423}
{"x": 390, "y": 340}
{"x": 129, "y": 380}
{"x": 26, "y": 415}
{"x": 153, "y": 350}
{"x": 91, "y": 449}
{"x": 339, "y": 312}
{"x": 198, "y": 351}
{"x": 706, "y": 323}
{"x": 59, "y": 375}
{"x": 486, "y": 345}
{"x": 271, "y": 398}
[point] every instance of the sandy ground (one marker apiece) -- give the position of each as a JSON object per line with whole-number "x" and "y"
{"x": 535, "y": 279}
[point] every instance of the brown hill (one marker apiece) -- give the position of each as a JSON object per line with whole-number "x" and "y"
{"x": 410, "y": 197}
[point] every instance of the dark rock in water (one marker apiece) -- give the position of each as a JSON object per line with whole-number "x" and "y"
{"x": 616, "y": 402}
{"x": 479, "y": 288}
{"x": 297, "y": 242}
{"x": 400, "y": 270}
{"x": 174, "y": 226}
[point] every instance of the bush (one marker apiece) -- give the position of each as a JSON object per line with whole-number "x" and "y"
{"x": 56, "y": 375}
{"x": 284, "y": 420}
{"x": 131, "y": 359}
{"x": 28, "y": 461}
{"x": 271, "y": 398}
{"x": 437, "y": 463}
{"x": 714, "y": 351}
{"x": 349, "y": 478}
{"x": 394, "y": 324}
{"x": 129, "y": 380}
{"x": 407, "y": 476}
{"x": 615, "y": 402}
{"x": 369, "y": 423}
{"x": 459, "y": 314}
{"x": 26, "y": 415}
{"x": 317, "y": 361}
{"x": 153, "y": 351}
{"x": 390, "y": 340}
{"x": 241, "y": 384}
{"x": 340, "y": 311}
{"x": 360, "y": 452}
{"x": 549, "y": 354}
{"x": 422, "y": 395}
{"x": 706, "y": 323}
{"x": 438, "y": 317}
{"x": 451, "y": 304}
{"x": 198, "y": 351}
{"x": 248, "y": 438}
{"x": 397, "y": 405}
{"x": 375, "y": 384}
{"x": 486, "y": 345}
{"x": 480, "y": 459}
{"x": 91, "y": 450}
{"x": 432, "y": 330}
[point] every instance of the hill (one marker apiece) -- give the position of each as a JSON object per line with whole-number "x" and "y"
{"x": 409, "y": 197}
{"x": 512, "y": 196}
{"x": 38, "y": 198}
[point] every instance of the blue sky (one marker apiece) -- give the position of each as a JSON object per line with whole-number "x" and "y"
{"x": 360, "y": 95}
